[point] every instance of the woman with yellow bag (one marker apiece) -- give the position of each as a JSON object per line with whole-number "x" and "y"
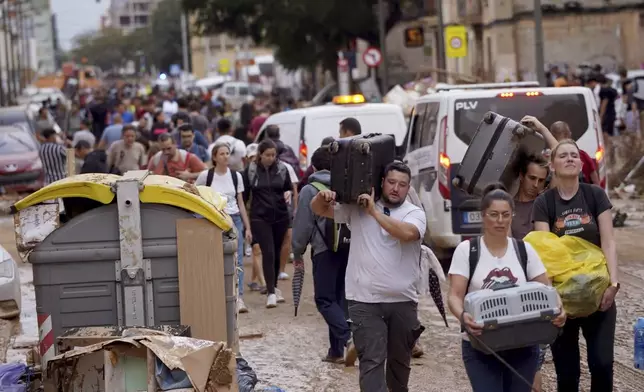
{"x": 583, "y": 211}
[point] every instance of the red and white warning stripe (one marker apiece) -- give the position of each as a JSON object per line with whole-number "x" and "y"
{"x": 45, "y": 339}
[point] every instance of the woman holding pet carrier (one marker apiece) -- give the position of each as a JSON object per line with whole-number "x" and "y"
{"x": 265, "y": 181}
{"x": 581, "y": 210}
{"x": 497, "y": 262}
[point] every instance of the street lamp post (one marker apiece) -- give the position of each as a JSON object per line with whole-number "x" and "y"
{"x": 538, "y": 43}
{"x": 382, "y": 30}
{"x": 6, "y": 33}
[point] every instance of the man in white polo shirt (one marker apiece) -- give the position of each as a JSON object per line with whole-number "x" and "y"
{"x": 383, "y": 268}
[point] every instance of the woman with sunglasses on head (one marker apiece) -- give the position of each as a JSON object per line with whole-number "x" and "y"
{"x": 230, "y": 184}
{"x": 502, "y": 262}
{"x": 581, "y": 210}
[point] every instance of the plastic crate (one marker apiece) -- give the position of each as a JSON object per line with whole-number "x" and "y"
{"x": 515, "y": 317}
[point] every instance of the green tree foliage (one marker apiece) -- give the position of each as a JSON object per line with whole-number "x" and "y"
{"x": 159, "y": 43}
{"x": 304, "y": 33}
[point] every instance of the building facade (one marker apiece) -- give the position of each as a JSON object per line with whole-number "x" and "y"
{"x": 43, "y": 33}
{"x": 129, "y": 15}
{"x": 501, "y": 40}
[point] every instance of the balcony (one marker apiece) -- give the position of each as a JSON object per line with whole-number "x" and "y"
{"x": 469, "y": 11}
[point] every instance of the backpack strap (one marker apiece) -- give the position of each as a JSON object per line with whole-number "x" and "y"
{"x": 475, "y": 254}
{"x": 233, "y": 173}
{"x": 210, "y": 176}
{"x": 551, "y": 206}
{"x": 522, "y": 254}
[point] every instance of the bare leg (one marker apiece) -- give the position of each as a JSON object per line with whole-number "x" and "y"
{"x": 537, "y": 382}
{"x": 285, "y": 252}
{"x": 258, "y": 270}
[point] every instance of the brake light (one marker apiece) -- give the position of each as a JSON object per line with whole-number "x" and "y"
{"x": 532, "y": 93}
{"x": 443, "y": 162}
{"x": 304, "y": 153}
{"x": 506, "y": 95}
{"x": 599, "y": 154}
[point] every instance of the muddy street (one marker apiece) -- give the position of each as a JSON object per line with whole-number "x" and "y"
{"x": 289, "y": 352}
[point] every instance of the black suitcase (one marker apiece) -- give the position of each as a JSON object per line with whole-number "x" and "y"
{"x": 358, "y": 163}
{"x": 492, "y": 155}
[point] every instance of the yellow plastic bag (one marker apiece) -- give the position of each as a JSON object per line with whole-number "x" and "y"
{"x": 576, "y": 268}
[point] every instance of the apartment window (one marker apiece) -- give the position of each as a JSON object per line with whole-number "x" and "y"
{"x": 141, "y": 19}
{"x": 124, "y": 20}
{"x": 141, "y": 7}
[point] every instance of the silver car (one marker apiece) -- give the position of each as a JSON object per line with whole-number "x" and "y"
{"x": 10, "y": 298}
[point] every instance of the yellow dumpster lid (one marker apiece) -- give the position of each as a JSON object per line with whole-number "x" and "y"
{"x": 157, "y": 189}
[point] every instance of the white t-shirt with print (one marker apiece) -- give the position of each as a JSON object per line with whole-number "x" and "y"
{"x": 491, "y": 270}
{"x": 223, "y": 183}
{"x": 237, "y": 151}
{"x": 381, "y": 268}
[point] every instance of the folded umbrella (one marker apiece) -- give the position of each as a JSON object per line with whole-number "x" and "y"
{"x": 297, "y": 282}
{"x": 437, "y": 296}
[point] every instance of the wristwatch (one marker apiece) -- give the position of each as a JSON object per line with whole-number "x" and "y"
{"x": 616, "y": 285}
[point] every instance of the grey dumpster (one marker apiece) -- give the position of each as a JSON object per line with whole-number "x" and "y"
{"x": 77, "y": 278}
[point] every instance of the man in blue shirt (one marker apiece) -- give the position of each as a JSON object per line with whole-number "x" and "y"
{"x": 126, "y": 116}
{"x": 187, "y": 135}
{"x": 112, "y": 133}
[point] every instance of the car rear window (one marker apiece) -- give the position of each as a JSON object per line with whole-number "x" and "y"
{"x": 570, "y": 108}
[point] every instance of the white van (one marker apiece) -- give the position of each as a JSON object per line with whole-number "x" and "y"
{"x": 237, "y": 93}
{"x": 443, "y": 124}
{"x": 304, "y": 129}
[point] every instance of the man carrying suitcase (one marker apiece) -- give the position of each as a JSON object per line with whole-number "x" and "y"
{"x": 381, "y": 277}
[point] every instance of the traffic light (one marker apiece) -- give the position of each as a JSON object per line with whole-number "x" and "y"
{"x": 414, "y": 37}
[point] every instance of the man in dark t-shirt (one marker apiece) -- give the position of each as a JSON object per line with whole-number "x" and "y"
{"x": 577, "y": 216}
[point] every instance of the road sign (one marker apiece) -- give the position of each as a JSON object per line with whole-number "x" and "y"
{"x": 224, "y": 66}
{"x": 343, "y": 65}
{"x": 372, "y": 57}
{"x": 175, "y": 69}
{"x": 455, "y": 41}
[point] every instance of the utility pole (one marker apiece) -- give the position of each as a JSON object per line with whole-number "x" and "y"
{"x": 5, "y": 31}
{"x": 21, "y": 38}
{"x": 382, "y": 29}
{"x": 440, "y": 44}
{"x": 538, "y": 44}
{"x": 184, "y": 41}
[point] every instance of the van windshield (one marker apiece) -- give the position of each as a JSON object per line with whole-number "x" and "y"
{"x": 570, "y": 108}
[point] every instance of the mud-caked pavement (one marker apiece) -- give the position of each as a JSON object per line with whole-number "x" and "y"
{"x": 289, "y": 352}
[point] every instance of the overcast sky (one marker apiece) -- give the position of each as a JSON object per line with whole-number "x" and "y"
{"x": 74, "y": 17}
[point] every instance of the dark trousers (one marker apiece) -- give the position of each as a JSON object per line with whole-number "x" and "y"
{"x": 384, "y": 332}
{"x": 488, "y": 374}
{"x": 329, "y": 269}
{"x": 270, "y": 236}
{"x": 599, "y": 332}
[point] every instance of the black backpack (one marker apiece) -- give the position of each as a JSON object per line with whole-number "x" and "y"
{"x": 337, "y": 236}
{"x": 211, "y": 175}
{"x": 475, "y": 254}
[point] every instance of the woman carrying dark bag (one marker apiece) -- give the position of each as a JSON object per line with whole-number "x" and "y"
{"x": 582, "y": 210}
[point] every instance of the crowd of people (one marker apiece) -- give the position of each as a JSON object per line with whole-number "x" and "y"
{"x": 366, "y": 256}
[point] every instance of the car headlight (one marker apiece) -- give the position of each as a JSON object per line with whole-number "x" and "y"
{"x": 6, "y": 266}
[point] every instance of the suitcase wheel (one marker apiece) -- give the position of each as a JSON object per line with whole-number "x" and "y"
{"x": 489, "y": 117}
{"x": 334, "y": 147}
{"x": 457, "y": 181}
{"x": 520, "y": 131}
{"x": 365, "y": 148}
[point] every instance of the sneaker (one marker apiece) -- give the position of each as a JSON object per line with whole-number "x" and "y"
{"x": 280, "y": 297}
{"x": 254, "y": 286}
{"x": 350, "y": 354}
{"x": 334, "y": 360}
{"x": 241, "y": 306}
{"x": 249, "y": 251}
{"x": 283, "y": 276}
{"x": 271, "y": 301}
